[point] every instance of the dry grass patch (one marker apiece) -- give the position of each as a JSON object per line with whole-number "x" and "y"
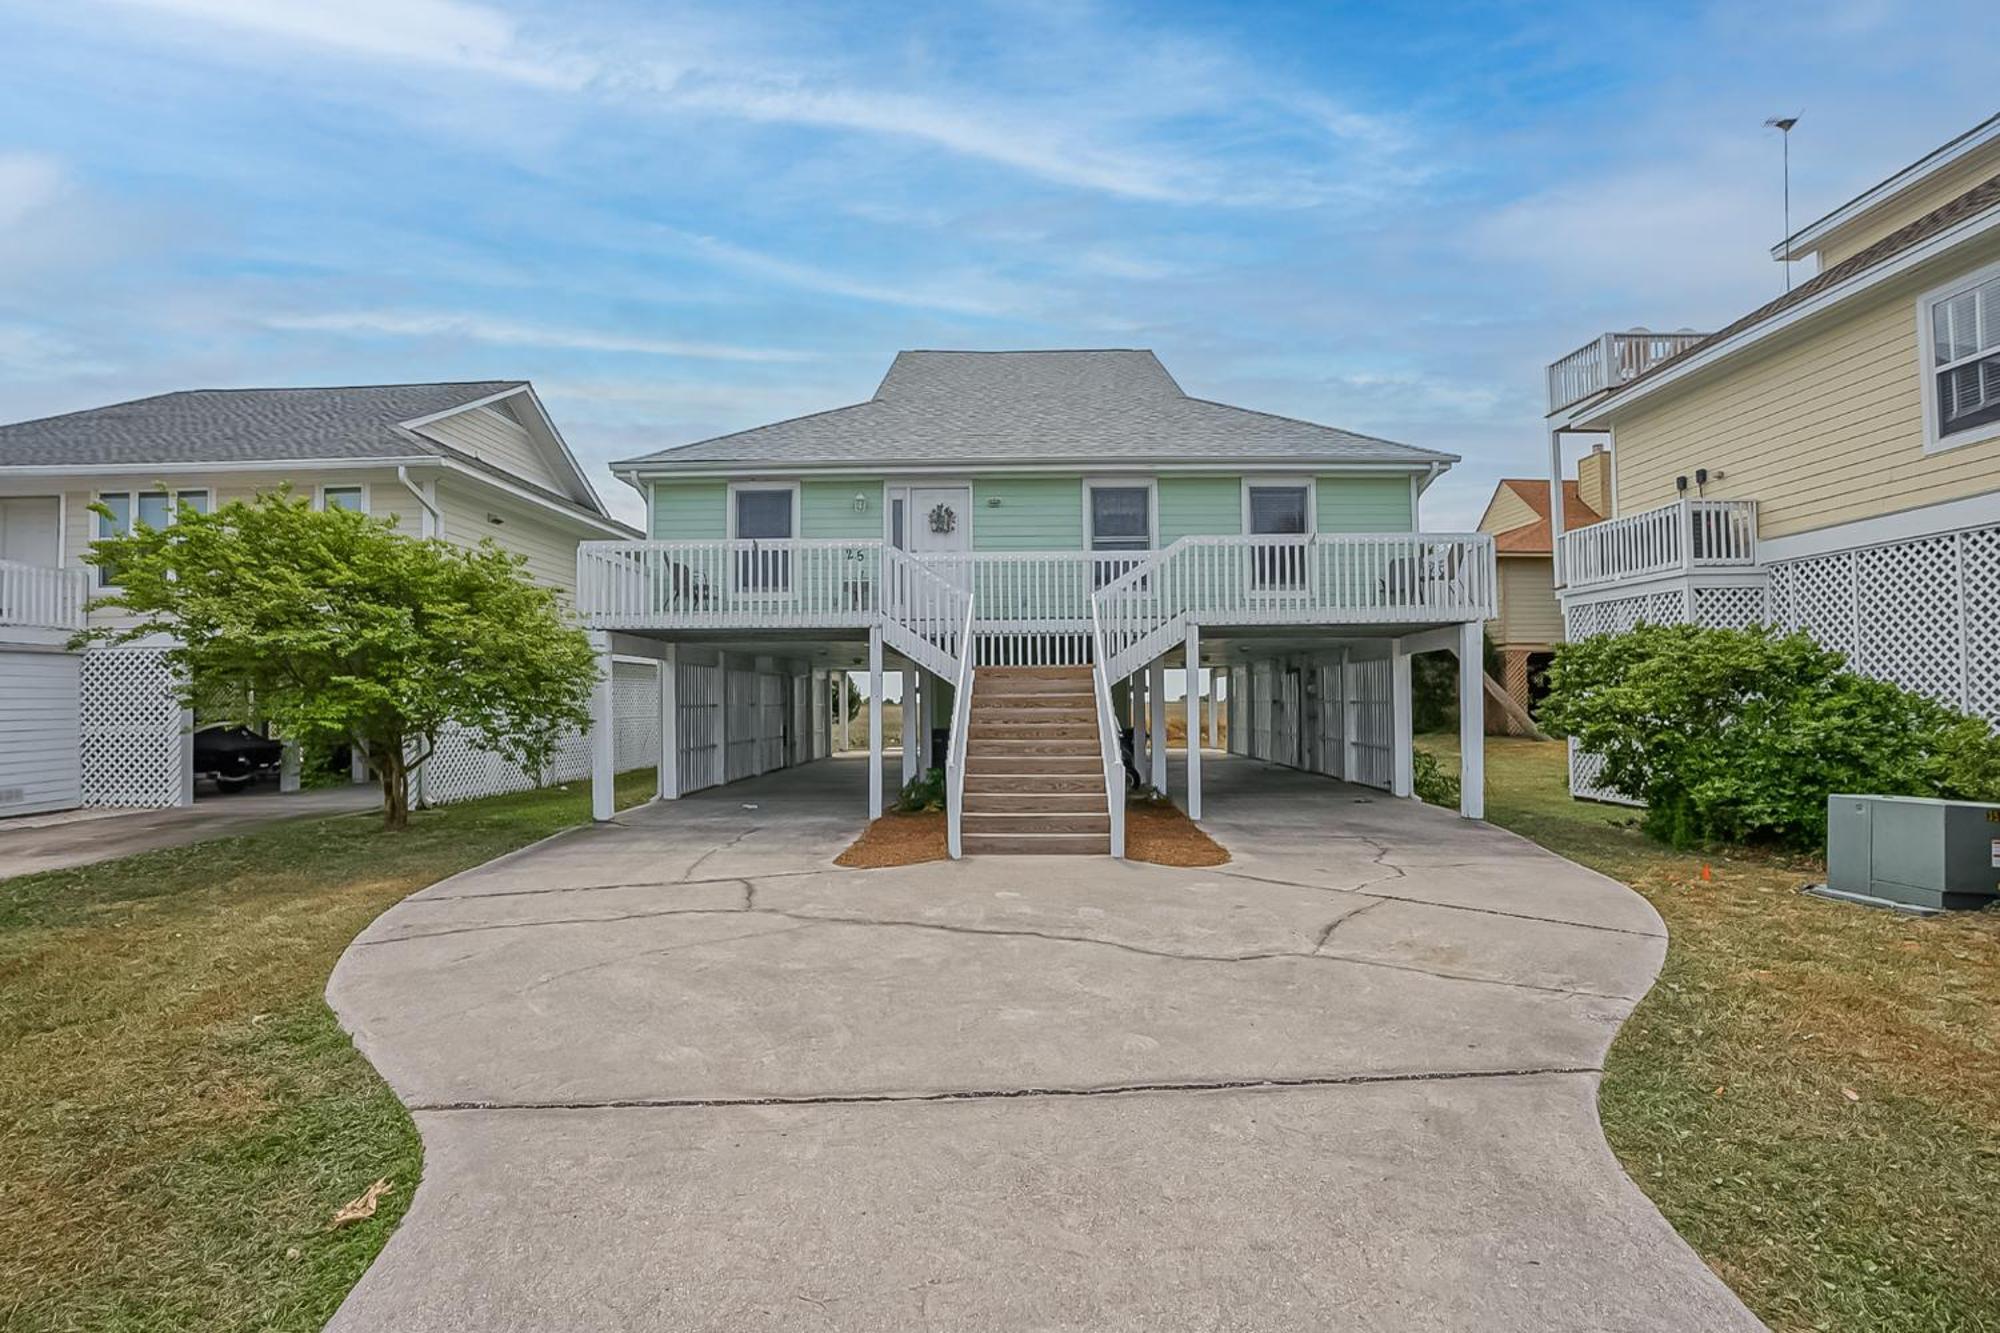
{"x": 1811, "y": 1093}
{"x": 183, "y": 1114}
{"x": 1160, "y": 832}
{"x": 898, "y": 839}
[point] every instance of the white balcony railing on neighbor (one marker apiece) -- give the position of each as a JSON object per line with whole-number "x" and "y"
{"x": 40, "y": 597}
{"x": 1611, "y": 360}
{"x": 1673, "y": 539}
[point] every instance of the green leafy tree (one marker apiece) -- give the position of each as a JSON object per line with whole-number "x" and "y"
{"x": 333, "y": 627}
{"x": 1741, "y": 735}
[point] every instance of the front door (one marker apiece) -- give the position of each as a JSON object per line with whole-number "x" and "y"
{"x": 939, "y": 523}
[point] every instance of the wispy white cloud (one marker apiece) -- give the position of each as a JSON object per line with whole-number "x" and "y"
{"x": 962, "y": 293}
{"x": 452, "y": 33}
{"x": 509, "y": 333}
{"x": 28, "y": 182}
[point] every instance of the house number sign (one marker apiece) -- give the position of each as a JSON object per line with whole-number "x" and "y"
{"x": 943, "y": 518}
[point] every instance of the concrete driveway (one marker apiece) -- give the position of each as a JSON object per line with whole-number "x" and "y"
{"x": 30, "y": 844}
{"x": 681, "y": 1073}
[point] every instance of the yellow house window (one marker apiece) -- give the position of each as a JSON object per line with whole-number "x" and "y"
{"x": 1961, "y": 324}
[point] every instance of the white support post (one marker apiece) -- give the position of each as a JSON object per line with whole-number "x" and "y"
{"x": 670, "y": 724}
{"x": 602, "y": 733}
{"x": 1402, "y": 780}
{"x": 288, "y": 769}
{"x": 186, "y": 758}
{"x": 1556, "y": 499}
{"x": 1215, "y": 679}
{"x": 909, "y": 711}
{"x": 1156, "y": 707}
{"x": 1135, "y": 708}
{"x": 1193, "y": 721}
{"x": 846, "y": 741}
{"x": 927, "y": 685}
{"x": 875, "y": 722}
{"x": 1471, "y": 720}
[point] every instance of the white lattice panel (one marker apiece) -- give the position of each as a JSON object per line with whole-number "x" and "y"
{"x": 1909, "y": 616}
{"x": 635, "y": 710}
{"x": 1980, "y": 579}
{"x": 458, "y": 770}
{"x": 1586, "y": 778}
{"x": 129, "y": 720}
{"x": 1615, "y": 616}
{"x": 1817, "y": 596}
{"x": 1729, "y": 607}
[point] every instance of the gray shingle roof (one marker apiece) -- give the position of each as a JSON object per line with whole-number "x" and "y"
{"x": 241, "y": 426}
{"x": 1015, "y": 407}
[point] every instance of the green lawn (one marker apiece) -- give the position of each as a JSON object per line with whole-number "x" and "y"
{"x": 1811, "y": 1093}
{"x": 181, "y": 1113}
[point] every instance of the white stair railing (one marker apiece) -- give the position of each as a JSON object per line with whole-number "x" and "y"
{"x": 1109, "y": 747}
{"x": 960, "y": 742}
{"x": 923, "y": 613}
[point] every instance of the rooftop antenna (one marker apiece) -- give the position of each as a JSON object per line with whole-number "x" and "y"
{"x": 1783, "y": 125}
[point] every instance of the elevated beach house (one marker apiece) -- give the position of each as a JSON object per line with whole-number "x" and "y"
{"x": 1035, "y": 539}
{"x": 1827, "y": 462}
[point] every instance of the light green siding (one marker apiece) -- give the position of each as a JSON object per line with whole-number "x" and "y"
{"x": 1365, "y": 504}
{"x": 690, "y": 510}
{"x": 1034, "y": 514}
{"x": 1039, "y": 513}
{"x": 826, "y": 510}
{"x": 1199, "y": 507}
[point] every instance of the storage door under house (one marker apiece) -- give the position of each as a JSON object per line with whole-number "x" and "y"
{"x": 40, "y": 756}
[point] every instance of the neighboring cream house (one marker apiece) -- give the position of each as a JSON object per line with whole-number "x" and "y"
{"x": 462, "y": 462}
{"x": 1828, "y": 462}
{"x": 1529, "y": 624}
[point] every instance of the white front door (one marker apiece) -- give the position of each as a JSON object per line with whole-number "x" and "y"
{"x": 940, "y": 519}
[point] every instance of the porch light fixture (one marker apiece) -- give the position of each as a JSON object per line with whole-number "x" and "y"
{"x": 861, "y": 502}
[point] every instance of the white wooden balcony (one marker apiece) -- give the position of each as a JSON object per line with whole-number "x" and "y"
{"x": 1386, "y": 578}
{"x": 41, "y": 597}
{"x": 1613, "y": 359}
{"x": 1680, "y": 538}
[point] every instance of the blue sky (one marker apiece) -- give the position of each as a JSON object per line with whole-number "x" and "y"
{"x": 681, "y": 220}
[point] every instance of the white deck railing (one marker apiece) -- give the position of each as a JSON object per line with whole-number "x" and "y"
{"x": 1611, "y": 360}
{"x": 960, "y": 742}
{"x": 42, "y": 597}
{"x": 1110, "y": 746}
{"x": 1673, "y": 539}
{"x": 1332, "y": 579}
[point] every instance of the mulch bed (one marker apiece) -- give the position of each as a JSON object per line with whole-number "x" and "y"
{"x": 898, "y": 839}
{"x": 1160, "y": 832}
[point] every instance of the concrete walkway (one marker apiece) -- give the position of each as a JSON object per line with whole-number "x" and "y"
{"x": 679, "y": 1073}
{"x": 33, "y": 843}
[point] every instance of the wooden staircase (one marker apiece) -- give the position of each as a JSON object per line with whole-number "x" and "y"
{"x": 1034, "y": 776}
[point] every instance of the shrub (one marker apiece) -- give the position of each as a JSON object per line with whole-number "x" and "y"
{"x": 923, "y": 792}
{"x": 1434, "y": 783}
{"x": 1740, "y": 735}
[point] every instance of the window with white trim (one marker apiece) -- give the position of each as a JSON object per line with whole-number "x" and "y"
{"x": 154, "y": 509}
{"x": 1121, "y": 519}
{"x": 1964, "y": 370}
{"x": 760, "y": 514}
{"x": 353, "y": 498}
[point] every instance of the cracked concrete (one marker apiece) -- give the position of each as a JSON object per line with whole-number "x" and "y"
{"x": 684, "y": 1073}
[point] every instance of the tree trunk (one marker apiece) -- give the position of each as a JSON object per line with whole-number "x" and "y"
{"x": 395, "y": 787}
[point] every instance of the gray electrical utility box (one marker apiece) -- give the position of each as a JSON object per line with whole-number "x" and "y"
{"x": 1913, "y": 850}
